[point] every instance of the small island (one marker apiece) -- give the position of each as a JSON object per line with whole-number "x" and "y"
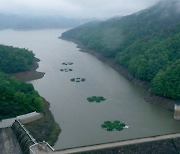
{"x": 97, "y": 99}
{"x": 78, "y": 80}
{"x": 114, "y": 126}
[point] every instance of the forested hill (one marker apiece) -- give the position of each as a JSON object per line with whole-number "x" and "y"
{"x": 146, "y": 42}
{"x": 16, "y": 97}
{"x": 13, "y": 60}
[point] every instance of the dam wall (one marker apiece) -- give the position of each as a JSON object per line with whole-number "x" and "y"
{"x": 8, "y": 142}
{"x": 23, "y": 136}
{"x": 177, "y": 111}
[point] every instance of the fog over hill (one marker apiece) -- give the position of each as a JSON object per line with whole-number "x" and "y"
{"x": 24, "y": 14}
{"x": 74, "y": 8}
{"x": 146, "y": 43}
{"x": 38, "y": 22}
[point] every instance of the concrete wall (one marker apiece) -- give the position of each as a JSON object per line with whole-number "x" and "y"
{"x": 23, "y": 136}
{"x": 177, "y": 112}
{"x": 161, "y": 144}
{"x": 8, "y": 142}
{"x": 169, "y": 146}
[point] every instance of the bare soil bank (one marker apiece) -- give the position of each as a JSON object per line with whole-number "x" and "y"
{"x": 30, "y": 75}
{"x": 162, "y": 101}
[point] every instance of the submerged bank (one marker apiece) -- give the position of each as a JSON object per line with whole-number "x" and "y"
{"x": 158, "y": 100}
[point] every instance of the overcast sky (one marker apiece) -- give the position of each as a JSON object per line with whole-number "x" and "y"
{"x": 74, "y": 8}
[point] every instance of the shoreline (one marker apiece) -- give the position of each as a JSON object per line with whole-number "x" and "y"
{"x": 46, "y": 128}
{"x": 153, "y": 99}
{"x": 39, "y": 127}
{"x": 31, "y": 74}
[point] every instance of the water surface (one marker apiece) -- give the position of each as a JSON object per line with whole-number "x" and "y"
{"x": 81, "y": 121}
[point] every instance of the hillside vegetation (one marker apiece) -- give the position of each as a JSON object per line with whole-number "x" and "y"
{"x": 146, "y": 43}
{"x": 17, "y": 98}
{"x": 14, "y": 60}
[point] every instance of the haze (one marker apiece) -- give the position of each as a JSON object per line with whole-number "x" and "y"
{"x": 74, "y": 8}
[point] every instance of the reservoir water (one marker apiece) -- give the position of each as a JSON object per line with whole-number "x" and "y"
{"x": 81, "y": 121}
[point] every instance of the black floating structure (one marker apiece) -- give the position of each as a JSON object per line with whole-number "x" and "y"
{"x": 78, "y": 79}
{"x": 67, "y": 63}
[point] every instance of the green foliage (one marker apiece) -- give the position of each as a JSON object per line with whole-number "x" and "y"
{"x": 146, "y": 43}
{"x": 166, "y": 83}
{"x": 96, "y": 99}
{"x": 14, "y": 59}
{"x": 17, "y": 98}
{"x": 110, "y": 126}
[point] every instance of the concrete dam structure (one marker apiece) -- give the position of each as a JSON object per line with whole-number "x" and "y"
{"x": 18, "y": 140}
{"x": 167, "y": 144}
{"x": 23, "y": 136}
{"x": 14, "y": 137}
{"x": 177, "y": 110}
{"x": 8, "y": 142}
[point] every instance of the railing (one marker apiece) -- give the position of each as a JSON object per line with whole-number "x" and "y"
{"x": 23, "y": 136}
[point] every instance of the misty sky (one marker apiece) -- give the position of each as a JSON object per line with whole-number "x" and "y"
{"x": 74, "y": 8}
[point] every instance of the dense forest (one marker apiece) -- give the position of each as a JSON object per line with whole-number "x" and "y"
{"x": 14, "y": 60}
{"x": 146, "y": 43}
{"x": 16, "y": 97}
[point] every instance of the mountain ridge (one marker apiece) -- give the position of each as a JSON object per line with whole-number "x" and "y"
{"x": 37, "y": 22}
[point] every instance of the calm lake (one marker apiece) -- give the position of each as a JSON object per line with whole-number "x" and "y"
{"x": 81, "y": 121}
